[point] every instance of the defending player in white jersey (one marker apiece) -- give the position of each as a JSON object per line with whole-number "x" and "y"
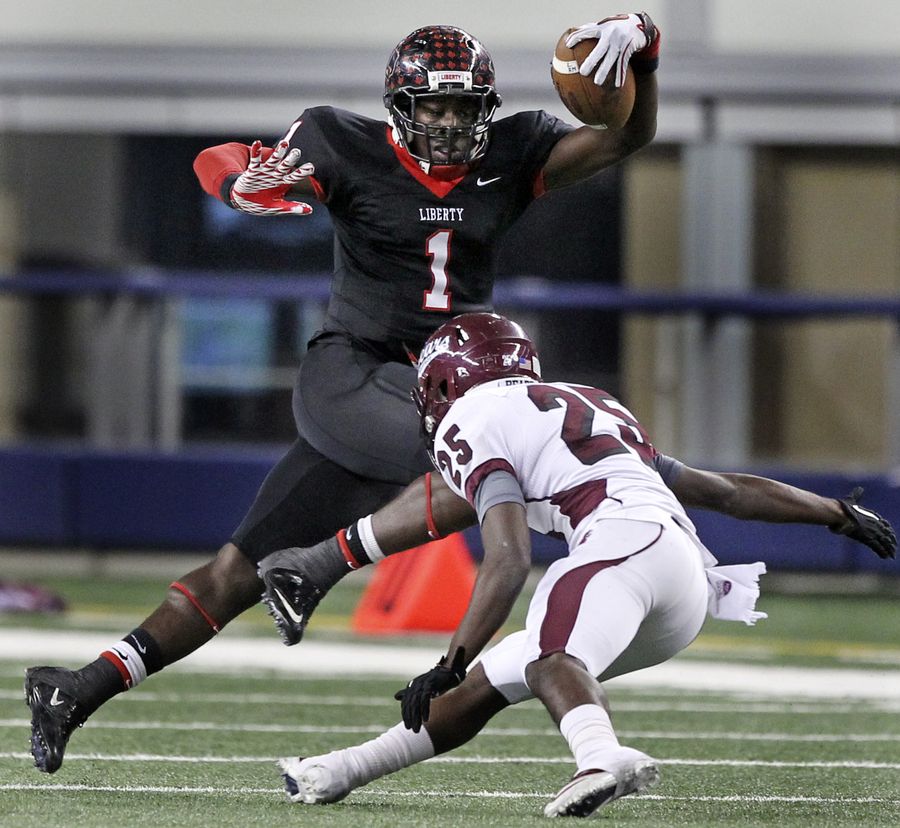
{"x": 633, "y": 591}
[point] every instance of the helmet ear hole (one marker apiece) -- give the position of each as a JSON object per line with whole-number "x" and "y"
{"x": 442, "y": 391}
{"x": 403, "y": 102}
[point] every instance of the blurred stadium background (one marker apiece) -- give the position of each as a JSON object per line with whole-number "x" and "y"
{"x": 737, "y": 283}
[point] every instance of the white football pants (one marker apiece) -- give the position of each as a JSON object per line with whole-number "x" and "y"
{"x": 616, "y": 616}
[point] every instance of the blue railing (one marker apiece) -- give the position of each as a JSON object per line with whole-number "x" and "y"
{"x": 524, "y": 293}
{"x": 192, "y": 498}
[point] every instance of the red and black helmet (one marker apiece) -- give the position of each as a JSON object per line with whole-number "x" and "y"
{"x": 470, "y": 349}
{"x": 441, "y": 61}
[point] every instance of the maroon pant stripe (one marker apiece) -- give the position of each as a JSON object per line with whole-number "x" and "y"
{"x": 565, "y": 601}
{"x": 563, "y": 605}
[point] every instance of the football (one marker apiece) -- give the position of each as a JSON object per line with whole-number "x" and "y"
{"x": 604, "y": 107}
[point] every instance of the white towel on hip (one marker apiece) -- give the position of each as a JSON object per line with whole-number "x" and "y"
{"x": 733, "y": 592}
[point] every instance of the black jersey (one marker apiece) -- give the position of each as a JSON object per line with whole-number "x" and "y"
{"x": 410, "y": 250}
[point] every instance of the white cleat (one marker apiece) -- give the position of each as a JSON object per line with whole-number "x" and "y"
{"x": 630, "y": 771}
{"x": 583, "y": 795}
{"x": 314, "y": 781}
{"x": 635, "y": 771}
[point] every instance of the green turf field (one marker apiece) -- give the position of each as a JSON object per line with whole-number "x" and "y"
{"x": 198, "y": 747}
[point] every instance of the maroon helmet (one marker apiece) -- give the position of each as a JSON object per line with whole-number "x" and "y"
{"x": 442, "y": 61}
{"x": 470, "y": 349}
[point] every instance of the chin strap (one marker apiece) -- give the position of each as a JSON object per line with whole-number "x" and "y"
{"x": 395, "y": 132}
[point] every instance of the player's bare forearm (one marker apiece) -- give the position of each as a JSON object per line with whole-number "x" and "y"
{"x": 750, "y": 497}
{"x": 501, "y": 576}
{"x": 640, "y": 129}
{"x": 586, "y": 150}
{"x": 402, "y": 524}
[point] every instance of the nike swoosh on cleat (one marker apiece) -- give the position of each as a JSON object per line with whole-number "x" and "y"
{"x": 297, "y": 619}
{"x": 482, "y": 181}
{"x": 55, "y": 700}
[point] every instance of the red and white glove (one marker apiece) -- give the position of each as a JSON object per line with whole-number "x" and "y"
{"x": 262, "y": 187}
{"x": 620, "y": 37}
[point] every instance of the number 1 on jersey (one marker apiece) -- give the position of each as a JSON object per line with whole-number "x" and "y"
{"x": 437, "y": 246}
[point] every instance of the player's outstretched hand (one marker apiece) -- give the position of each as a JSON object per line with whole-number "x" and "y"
{"x": 415, "y": 698}
{"x": 619, "y": 37}
{"x": 262, "y": 187}
{"x": 866, "y": 526}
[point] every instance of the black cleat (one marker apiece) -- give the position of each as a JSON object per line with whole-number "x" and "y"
{"x": 296, "y": 579}
{"x": 291, "y": 598}
{"x": 52, "y": 695}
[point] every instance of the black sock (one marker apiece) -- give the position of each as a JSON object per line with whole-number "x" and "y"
{"x": 148, "y": 648}
{"x": 355, "y": 545}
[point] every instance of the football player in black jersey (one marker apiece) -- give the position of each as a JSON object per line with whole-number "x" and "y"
{"x": 419, "y": 204}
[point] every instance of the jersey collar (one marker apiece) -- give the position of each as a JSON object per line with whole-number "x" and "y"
{"x": 502, "y": 382}
{"x": 437, "y": 186}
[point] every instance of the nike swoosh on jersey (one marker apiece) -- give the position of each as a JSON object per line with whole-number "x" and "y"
{"x": 481, "y": 182}
{"x": 289, "y": 609}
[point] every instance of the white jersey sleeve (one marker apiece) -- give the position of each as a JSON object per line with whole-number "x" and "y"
{"x": 471, "y": 441}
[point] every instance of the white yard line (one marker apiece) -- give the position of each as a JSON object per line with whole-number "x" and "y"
{"x": 823, "y": 707}
{"x": 312, "y": 658}
{"x": 441, "y": 794}
{"x": 463, "y": 760}
{"x": 733, "y": 735}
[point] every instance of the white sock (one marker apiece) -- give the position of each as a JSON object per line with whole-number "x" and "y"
{"x": 369, "y": 541}
{"x": 126, "y": 658}
{"x": 589, "y": 732}
{"x": 397, "y": 748}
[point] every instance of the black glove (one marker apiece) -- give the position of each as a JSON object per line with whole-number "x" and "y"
{"x": 866, "y": 526}
{"x": 415, "y": 698}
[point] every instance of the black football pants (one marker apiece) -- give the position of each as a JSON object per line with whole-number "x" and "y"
{"x": 359, "y": 446}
